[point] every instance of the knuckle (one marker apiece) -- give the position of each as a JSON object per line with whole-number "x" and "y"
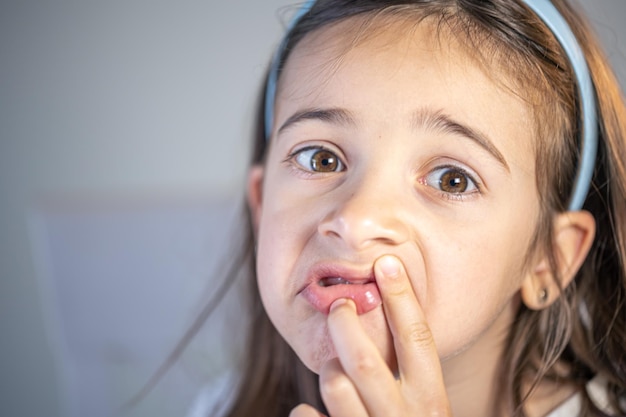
{"x": 335, "y": 386}
{"x": 436, "y": 405}
{"x": 432, "y": 406}
{"x": 363, "y": 365}
{"x": 418, "y": 334}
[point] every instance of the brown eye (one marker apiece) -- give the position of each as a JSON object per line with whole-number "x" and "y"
{"x": 453, "y": 181}
{"x": 318, "y": 160}
{"x": 324, "y": 161}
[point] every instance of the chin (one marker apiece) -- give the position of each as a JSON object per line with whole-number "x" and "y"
{"x": 316, "y": 346}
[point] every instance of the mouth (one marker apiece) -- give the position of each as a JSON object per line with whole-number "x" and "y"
{"x": 328, "y": 284}
{"x": 331, "y": 281}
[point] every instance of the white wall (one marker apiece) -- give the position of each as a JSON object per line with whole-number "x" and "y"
{"x": 124, "y": 101}
{"x": 116, "y": 100}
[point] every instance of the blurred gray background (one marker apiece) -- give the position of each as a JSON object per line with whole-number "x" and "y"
{"x": 123, "y": 146}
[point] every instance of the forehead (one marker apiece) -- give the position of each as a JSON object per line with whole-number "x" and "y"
{"x": 448, "y": 37}
{"x": 321, "y": 54}
{"x": 375, "y": 65}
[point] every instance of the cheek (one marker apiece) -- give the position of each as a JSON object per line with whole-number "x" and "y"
{"x": 274, "y": 265}
{"x": 472, "y": 278}
{"x": 288, "y": 221}
{"x": 284, "y": 230}
{"x": 273, "y": 257}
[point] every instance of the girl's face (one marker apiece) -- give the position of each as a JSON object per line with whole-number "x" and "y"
{"x": 397, "y": 144}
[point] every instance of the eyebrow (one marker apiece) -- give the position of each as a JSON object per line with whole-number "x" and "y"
{"x": 439, "y": 121}
{"x": 424, "y": 118}
{"x": 333, "y": 115}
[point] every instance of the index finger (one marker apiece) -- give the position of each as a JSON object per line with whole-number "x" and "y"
{"x": 418, "y": 361}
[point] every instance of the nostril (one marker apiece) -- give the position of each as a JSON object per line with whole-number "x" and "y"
{"x": 365, "y": 232}
{"x": 360, "y": 223}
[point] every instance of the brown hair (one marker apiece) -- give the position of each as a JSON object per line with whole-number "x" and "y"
{"x": 585, "y": 330}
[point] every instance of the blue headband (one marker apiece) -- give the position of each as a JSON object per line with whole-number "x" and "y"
{"x": 546, "y": 11}
{"x": 272, "y": 79}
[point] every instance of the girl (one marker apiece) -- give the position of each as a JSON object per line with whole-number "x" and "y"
{"x": 425, "y": 242}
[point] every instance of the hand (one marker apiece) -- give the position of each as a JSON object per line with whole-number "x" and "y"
{"x": 359, "y": 383}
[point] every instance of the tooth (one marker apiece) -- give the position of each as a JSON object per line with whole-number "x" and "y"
{"x": 327, "y": 282}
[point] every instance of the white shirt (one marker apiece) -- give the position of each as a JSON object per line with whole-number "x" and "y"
{"x": 597, "y": 392}
{"x": 215, "y": 399}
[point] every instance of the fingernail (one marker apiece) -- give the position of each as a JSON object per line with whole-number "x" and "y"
{"x": 338, "y": 303}
{"x": 389, "y": 266}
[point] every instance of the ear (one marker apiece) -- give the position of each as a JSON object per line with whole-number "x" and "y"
{"x": 255, "y": 194}
{"x": 573, "y": 233}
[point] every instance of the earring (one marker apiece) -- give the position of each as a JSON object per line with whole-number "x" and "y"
{"x": 543, "y": 295}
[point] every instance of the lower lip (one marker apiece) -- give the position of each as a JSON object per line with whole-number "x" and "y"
{"x": 366, "y": 297}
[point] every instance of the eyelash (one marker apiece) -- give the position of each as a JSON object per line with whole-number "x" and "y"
{"x": 475, "y": 187}
{"x": 308, "y": 167}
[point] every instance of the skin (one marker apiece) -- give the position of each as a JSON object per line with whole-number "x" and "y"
{"x": 449, "y": 265}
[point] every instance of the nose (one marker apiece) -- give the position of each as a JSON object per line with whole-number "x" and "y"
{"x": 368, "y": 216}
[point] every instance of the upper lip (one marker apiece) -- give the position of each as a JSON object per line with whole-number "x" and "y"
{"x": 352, "y": 274}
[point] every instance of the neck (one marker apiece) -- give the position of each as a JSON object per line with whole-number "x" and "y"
{"x": 472, "y": 377}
